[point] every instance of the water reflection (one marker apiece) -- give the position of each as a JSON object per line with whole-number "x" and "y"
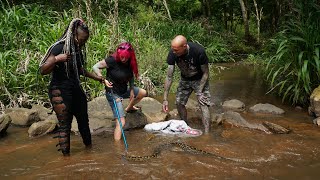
{"x": 288, "y": 156}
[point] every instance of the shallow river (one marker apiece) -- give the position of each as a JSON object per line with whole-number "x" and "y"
{"x": 276, "y": 156}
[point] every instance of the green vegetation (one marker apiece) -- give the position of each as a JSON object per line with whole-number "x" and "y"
{"x": 27, "y": 31}
{"x": 294, "y": 70}
{"x": 29, "y": 27}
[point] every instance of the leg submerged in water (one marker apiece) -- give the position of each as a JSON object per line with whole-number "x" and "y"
{"x": 64, "y": 119}
{"x": 117, "y": 130}
{"x": 206, "y": 118}
{"x": 182, "y": 111}
{"x": 80, "y": 111}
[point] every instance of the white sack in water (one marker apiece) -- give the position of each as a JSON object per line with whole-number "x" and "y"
{"x": 176, "y": 127}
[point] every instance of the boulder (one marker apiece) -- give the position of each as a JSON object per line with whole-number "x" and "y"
{"x": 135, "y": 120}
{"x": 233, "y": 105}
{"x": 317, "y": 121}
{"x": 23, "y": 116}
{"x": 275, "y": 128}
{"x": 193, "y": 111}
{"x": 173, "y": 114}
{"x": 41, "y": 128}
{"x": 101, "y": 116}
{"x": 314, "y": 108}
{"x": 266, "y": 109}
{"x": 43, "y": 112}
{"x": 52, "y": 118}
{"x": 152, "y": 109}
{"x": 230, "y": 118}
{"x": 216, "y": 118}
{"x": 5, "y": 121}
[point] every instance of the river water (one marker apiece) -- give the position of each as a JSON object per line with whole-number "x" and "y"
{"x": 275, "y": 156}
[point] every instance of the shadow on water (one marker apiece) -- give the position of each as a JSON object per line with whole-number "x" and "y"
{"x": 285, "y": 156}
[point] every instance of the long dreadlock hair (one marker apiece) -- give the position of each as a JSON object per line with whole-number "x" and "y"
{"x": 69, "y": 46}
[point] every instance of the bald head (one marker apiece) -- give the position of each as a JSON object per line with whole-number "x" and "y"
{"x": 179, "y": 45}
{"x": 179, "y": 41}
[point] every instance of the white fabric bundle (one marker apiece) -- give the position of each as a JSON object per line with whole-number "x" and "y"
{"x": 176, "y": 127}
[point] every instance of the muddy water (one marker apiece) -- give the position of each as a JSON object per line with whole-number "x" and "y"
{"x": 290, "y": 156}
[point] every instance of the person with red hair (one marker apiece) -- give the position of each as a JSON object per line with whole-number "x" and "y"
{"x": 121, "y": 69}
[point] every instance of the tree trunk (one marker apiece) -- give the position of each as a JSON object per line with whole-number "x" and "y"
{"x": 77, "y": 12}
{"x": 150, "y": 3}
{"x": 225, "y": 18}
{"x": 89, "y": 16}
{"x": 168, "y": 11}
{"x": 258, "y": 17}
{"x": 208, "y": 8}
{"x": 113, "y": 18}
{"x": 245, "y": 19}
{"x": 203, "y": 7}
{"x": 116, "y": 20}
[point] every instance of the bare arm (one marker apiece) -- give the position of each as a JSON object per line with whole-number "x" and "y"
{"x": 51, "y": 61}
{"x": 205, "y": 70}
{"x": 97, "y": 71}
{"x": 93, "y": 76}
{"x": 99, "y": 66}
{"x": 168, "y": 82}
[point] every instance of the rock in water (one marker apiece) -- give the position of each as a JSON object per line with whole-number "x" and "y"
{"x": 275, "y": 128}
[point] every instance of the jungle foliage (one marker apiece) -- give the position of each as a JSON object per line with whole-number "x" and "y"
{"x": 294, "y": 69}
{"x": 288, "y": 36}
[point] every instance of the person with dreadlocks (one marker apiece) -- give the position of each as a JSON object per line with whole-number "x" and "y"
{"x": 65, "y": 60}
{"x": 121, "y": 69}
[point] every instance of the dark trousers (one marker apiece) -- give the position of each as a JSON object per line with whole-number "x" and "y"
{"x": 68, "y": 101}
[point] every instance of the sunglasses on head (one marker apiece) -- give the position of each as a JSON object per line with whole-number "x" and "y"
{"x": 125, "y": 48}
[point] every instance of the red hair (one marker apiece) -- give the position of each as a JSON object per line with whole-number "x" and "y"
{"x": 125, "y": 50}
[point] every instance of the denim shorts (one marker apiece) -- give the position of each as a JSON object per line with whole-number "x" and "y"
{"x": 113, "y": 98}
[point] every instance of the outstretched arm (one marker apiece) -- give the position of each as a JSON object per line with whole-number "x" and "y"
{"x": 97, "y": 71}
{"x": 167, "y": 86}
{"x": 98, "y": 67}
{"x": 93, "y": 76}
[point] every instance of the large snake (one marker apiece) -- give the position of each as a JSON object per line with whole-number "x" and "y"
{"x": 189, "y": 149}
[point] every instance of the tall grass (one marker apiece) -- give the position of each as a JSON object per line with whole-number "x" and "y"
{"x": 294, "y": 70}
{"x": 26, "y": 31}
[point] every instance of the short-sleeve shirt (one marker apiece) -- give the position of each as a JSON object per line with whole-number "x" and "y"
{"x": 59, "y": 73}
{"x": 119, "y": 74}
{"x": 190, "y": 63}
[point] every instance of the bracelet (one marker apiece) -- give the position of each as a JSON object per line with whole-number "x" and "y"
{"x": 102, "y": 79}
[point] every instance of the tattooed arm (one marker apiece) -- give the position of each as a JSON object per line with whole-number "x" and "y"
{"x": 201, "y": 97}
{"x": 167, "y": 86}
{"x": 99, "y": 66}
{"x": 204, "y": 79}
{"x": 97, "y": 72}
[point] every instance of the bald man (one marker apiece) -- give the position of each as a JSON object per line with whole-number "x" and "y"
{"x": 192, "y": 61}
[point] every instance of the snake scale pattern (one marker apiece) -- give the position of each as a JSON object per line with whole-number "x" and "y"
{"x": 185, "y": 148}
